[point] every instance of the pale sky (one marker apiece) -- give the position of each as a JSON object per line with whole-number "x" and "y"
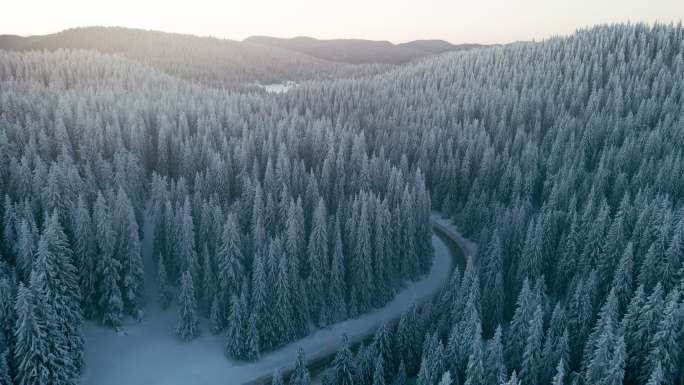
{"x": 458, "y": 21}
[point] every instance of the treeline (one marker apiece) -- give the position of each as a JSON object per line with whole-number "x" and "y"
{"x": 205, "y": 60}
{"x": 250, "y": 212}
{"x": 564, "y": 161}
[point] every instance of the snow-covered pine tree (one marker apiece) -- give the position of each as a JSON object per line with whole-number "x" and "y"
{"x": 25, "y": 249}
{"x": 343, "y": 364}
{"x": 665, "y": 347}
{"x": 164, "y": 296}
{"x": 284, "y": 328}
{"x": 559, "y": 377}
{"x": 382, "y": 347}
{"x": 318, "y": 264}
{"x": 236, "y": 327}
{"x": 215, "y": 316}
{"x": 337, "y": 288}
{"x": 84, "y": 257}
{"x": 129, "y": 254}
{"x": 110, "y": 302}
{"x": 379, "y": 372}
{"x": 187, "y": 324}
{"x": 229, "y": 261}
{"x": 208, "y": 281}
{"x": 361, "y": 281}
{"x": 475, "y": 370}
{"x": 532, "y": 358}
{"x": 56, "y": 293}
{"x": 517, "y": 333}
{"x": 253, "y": 338}
{"x": 31, "y": 351}
{"x": 492, "y": 284}
{"x": 494, "y": 364}
{"x": 187, "y": 251}
{"x": 300, "y": 374}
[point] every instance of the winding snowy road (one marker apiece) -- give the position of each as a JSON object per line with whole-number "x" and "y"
{"x": 148, "y": 353}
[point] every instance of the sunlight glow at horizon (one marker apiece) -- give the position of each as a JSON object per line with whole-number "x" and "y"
{"x": 486, "y": 21}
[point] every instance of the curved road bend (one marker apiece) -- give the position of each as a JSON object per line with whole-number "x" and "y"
{"x": 446, "y": 241}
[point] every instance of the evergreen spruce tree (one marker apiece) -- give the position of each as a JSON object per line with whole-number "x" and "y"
{"x": 382, "y": 347}
{"x": 253, "y": 339}
{"x": 229, "y": 260}
{"x": 187, "y": 252}
{"x": 531, "y": 360}
{"x": 492, "y": 284}
{"x": 379, "y": 372}
{"x": 259, "y": 304}
{"x": 84, "y": 257}
{"x": 165, "y": 296}
{"x": 318, "y": 257}
{"x": 25, "y": 249}
{"x": 647, "y": 322}
{"x": 208, "y": 281}
{"x": 31, "y": 351}
{"x": 187, "y": 325}
{"x": 518, "y": 331}
{"x": 283, "y": 329}
{"x": 630, "y": 330}
{"x": 235, "y": 333}
{"x": 56, "y": 292}
{"x": 300, "y": 374}
{"x": 361, "y": 270}
{"x": 343, "y": 365}
{"x": 337, "y": 289}
{"x": 495, "y": 367}
{"x": 364, "y": 366}
{"x": 475, "y": 369}
{"x": 559, "y": 377}
{"x": 407, "y": 340}
{"x": 130, "y": 256}
{"x": 616, "y": 367}
{"x": 665, "y": 346}
{"x": 215, "y": 316}
{"x": 110, "y": 301}
{"x": 622, "y": 281}
{"x": 555, "y": 344}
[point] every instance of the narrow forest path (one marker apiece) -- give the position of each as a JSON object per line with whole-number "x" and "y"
{"x": 149, "y": 353}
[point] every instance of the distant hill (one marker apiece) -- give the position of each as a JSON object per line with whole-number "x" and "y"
{"x": 437, "y": 46}
{"x": 204, "y": 59}
{"x": 224, "y": 62}
{"x": 359, "y": 51}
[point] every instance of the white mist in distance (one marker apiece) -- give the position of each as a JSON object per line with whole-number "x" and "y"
{"x": 485, "y": 21}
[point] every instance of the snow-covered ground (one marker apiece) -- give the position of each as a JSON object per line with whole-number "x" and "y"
{"x": 149, "y": 353}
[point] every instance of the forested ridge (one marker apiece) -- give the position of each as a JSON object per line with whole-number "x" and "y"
{"x": 562, "y": 159}
{"x": 209, "y": 61}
